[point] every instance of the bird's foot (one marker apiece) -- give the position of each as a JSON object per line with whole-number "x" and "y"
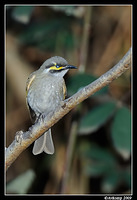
{"x": 19, "y": 136}
{"x": 63, "y": 104}
{"x": 41, "y": 117}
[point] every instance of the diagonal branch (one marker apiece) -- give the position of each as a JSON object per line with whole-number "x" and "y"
{"x": 24, "y": 139}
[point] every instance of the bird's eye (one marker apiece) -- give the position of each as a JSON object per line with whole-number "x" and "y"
{"x": 57, "y": 66}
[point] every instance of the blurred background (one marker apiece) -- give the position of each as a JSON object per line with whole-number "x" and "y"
{"x": 92, "y": 142}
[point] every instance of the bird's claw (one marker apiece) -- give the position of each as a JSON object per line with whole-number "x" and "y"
{"x": 18, "y": 136}
{"x": 63, "y": 104}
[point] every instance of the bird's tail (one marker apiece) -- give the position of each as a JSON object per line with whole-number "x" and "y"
{"x": 44, "y": 143}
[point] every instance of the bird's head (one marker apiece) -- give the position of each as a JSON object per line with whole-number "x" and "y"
{"x": 57, "y": 66}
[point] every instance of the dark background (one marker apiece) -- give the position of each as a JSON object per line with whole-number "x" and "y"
{"x": 93, "y": 38}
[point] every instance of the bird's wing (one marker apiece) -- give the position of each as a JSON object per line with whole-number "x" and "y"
{"x": 33, "y": 115}
{"x": 64, "y": 89}
{"x": 44, "y": 143}
{"x": 28, "y": 84}
{"x": 29, "y": 81}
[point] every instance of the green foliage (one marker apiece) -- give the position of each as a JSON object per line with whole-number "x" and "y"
{"x": 111, "y": 180}
{"x": 121, "y": 132}
{"x": 98, "y": 154}
{"x": 51, "y": 30}
{"x": 80, "y": 80}
{"x": 97, "y": 161}
{"x": 101, "y": 162}
{"x": 96, "y": 117}
{"x": 46, "y": 35}
{"x": 21, "y": 184}
{"x": 22, "y": 13}
{"x": 68, "y": 10}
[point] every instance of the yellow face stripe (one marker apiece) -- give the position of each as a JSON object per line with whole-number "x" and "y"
{"x": 56, "y": 68}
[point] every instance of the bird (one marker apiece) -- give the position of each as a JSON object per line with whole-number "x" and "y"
{"x": 45, "y": 90}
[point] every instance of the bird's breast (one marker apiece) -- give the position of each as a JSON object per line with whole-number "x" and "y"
{"x": 45, "y": 95}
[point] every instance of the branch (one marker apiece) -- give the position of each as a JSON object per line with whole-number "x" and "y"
{"x": 74, "y": 126}
{"x": 24, "y": 139}
{"x": 85, "y": 39}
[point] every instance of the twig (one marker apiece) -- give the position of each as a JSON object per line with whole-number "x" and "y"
{"x": 85, "y": 39}
{"x": 26, "y": 138}
{"x": 73, "y": 131}
{"x": 69, "y": 155}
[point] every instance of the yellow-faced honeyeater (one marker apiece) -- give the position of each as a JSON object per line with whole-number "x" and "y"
{"x": 46, "y": 90}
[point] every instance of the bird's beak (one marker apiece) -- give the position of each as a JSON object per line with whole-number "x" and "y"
{"x": 70, "y": 67}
